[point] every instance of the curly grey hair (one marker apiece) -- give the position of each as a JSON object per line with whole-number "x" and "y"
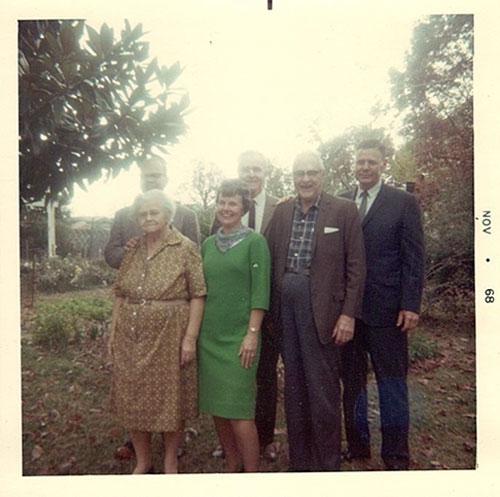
{"x": 165, "y": 202}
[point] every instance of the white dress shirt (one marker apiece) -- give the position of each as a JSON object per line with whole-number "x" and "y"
{"x": 372, "y": 195}
{"x": 260, "y": 202}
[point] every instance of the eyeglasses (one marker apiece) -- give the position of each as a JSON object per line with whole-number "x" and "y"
{"x": 312, "y": 173}
{"x": 251, "y": 170}
{"x": 368, "y": 162}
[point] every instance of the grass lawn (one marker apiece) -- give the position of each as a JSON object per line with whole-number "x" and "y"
{"x": 67, "y": 427}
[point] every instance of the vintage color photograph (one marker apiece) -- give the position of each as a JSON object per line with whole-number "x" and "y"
{"x": 247, "y": 241}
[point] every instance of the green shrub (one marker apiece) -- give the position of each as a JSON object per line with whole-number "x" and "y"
{"x": 422, "y": 347}
{"x": 58, "y": 324}
{"x": 61, "y": 274}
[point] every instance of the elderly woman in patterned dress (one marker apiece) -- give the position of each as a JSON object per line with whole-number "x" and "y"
{"x": 158, "y": 310}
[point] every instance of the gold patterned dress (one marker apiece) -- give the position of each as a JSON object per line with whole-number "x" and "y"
{"x": 150, "y": 391}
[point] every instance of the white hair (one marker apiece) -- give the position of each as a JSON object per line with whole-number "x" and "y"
{"x": 166, "y": 203}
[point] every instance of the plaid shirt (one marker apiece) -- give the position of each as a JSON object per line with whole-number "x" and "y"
{"x": 301, "y": 239}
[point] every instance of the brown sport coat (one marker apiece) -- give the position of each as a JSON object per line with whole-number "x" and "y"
{"x": 338, "y": 267}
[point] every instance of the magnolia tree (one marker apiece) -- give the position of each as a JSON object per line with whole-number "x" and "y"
{"x": 89, "y": 102}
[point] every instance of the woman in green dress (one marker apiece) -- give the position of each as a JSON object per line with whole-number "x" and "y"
{"x": 236, "y": 263}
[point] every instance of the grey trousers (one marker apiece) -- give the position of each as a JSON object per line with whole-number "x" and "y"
{"x": 312, "y": 386}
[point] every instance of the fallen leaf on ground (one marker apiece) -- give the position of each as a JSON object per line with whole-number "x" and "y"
{"x": 36, "y": 453}
{"x": 54, "y": 414}
{"x": 65, "y": 467}
{"x": 468, "y": 447}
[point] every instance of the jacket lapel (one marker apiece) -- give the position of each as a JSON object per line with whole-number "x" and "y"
{"x": 379, "y": 200}
{"x": 324, "y": 205}
{"x": 287, "y": 223}
{"x": 268, "y": 211}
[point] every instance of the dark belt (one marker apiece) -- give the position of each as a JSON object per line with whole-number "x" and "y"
{"x": 301, "y": 270}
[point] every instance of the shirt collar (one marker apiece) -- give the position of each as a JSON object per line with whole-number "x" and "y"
{"x": 315, "y": 205}
{"x": 373, "y": 191}
{"x": 260, "y": 198}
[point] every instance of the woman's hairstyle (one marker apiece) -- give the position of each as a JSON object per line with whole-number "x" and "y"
{"x": 233, "y": 187}
{"x": 165, "y": 202}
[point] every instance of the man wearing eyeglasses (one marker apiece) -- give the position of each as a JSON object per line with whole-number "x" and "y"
{"x": 393, "y": 237}
{"x": 317, "y": 252}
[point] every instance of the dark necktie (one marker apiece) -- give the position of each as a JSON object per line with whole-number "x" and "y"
{"x": 364, "y": 203}
{"x": 251, "y": 215}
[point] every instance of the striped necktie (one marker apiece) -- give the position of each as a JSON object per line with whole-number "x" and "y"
{"x": 364, "y": 203}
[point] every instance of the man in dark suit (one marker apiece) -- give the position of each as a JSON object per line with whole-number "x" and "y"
{"x": 125, "y": 230}
{"x": 252, "y": 169}
{"x": 317, "y": 252}
{"x": 393, "y": 237}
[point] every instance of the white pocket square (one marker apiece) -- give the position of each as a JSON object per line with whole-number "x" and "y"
{"x": 329, "y": 229}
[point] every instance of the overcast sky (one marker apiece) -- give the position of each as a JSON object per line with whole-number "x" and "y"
{"x": 262, "y": 79}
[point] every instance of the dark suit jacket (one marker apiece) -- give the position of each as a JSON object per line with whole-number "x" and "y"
{"x": 266, "y": 216}
{"x": 394, "y": 244}
{"x": 338, "y": 263}
{"x": 125, "y": 227}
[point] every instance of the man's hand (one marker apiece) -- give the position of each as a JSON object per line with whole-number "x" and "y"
{"x": 132, "y": 243}
{"x": 344, "y": 330}
{"x": 407, "y": 319}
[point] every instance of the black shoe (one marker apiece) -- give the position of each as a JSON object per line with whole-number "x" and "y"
{"x": 348, "y": 455}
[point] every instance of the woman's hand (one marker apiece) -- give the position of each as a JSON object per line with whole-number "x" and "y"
{"x": 248, "y": 349}
{"x": 188, "y": 350}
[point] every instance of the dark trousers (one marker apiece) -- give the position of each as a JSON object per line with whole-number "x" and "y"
{"x": 267, "y": 388}
{"x": 388, "y": 349}
{"x": 312, "y": 386}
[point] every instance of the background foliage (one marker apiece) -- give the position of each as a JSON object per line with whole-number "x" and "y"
{"x": 434, "y": 95}
{"x": 89, "y": 102}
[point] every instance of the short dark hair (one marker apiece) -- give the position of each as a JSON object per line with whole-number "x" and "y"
{"x": 233, "y": 187}
{"x": 155, "y": 161}
{"x": 363, "y": 145}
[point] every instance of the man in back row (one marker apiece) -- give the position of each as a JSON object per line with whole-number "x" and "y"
{"x": 125, "y": 230}
{"x": 393, "y": 237}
